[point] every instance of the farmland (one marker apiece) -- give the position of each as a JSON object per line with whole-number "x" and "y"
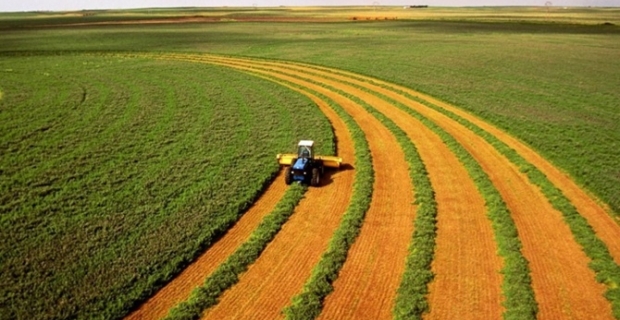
{"x": 482, "y": 164}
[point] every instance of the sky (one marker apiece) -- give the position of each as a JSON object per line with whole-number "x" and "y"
{"x": 66, "y": 5}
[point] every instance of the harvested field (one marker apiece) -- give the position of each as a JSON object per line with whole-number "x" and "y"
{"x": 181, "y": 286}
{"x": 287, "y": 261}
{"x": 139, "y": 179}
{"x": 466, "y": 266}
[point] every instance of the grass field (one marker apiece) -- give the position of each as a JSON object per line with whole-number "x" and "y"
{"x": 135, "y": 171}
{"x": 118, "y": 171}
{"x": 551, "y": 85}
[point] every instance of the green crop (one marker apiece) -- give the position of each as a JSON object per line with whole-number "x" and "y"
{"x": 112, "y": 168}
{"x": 117, "y": 172}
{"x": 551, "y": 84}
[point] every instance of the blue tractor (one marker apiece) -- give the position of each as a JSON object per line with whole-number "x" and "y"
{"x": 306, "y": 167}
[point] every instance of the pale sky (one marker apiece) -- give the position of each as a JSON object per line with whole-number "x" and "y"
{"x": 63, "y": 5}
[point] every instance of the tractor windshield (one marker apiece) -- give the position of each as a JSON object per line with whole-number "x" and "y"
{"x": 304, "y": 152}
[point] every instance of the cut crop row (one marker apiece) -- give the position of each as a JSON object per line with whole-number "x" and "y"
{"x": 313, "y": 303}
{"x": 520, "y": 302}
{"x": 125, "y": 201}
{"x": 607, "y": 271}
{"x": 308, "y": 303}
{"x": 227, "y": 274}
{"x": 602, "y": 263}
{"x": 411, "y": 301}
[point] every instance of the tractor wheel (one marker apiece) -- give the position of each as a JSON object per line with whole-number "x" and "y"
{"x": 288, "y": 177}
{"x": 316, "y": 177}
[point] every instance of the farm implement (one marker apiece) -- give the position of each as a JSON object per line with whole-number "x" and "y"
{"x": 306, "y": 167}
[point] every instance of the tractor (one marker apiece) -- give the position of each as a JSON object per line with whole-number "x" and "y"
{"x": 306, "y": 167}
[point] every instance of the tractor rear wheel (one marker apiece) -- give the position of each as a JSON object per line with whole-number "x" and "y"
{"x": 316, "y": 177}
{"x": 288, "y": 176}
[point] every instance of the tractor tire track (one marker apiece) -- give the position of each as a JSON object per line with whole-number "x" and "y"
{"x": 180, "y": 288}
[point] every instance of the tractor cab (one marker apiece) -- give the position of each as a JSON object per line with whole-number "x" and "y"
{"x": 304, "y": 149}
{"x": 304, "y": 166}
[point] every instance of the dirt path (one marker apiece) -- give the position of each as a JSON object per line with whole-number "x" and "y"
{"x": 194, "y": 275}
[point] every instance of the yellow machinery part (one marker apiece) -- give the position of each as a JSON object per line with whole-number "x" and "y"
{"x": 330, "y": 161}
{"x": 286, "y": 159}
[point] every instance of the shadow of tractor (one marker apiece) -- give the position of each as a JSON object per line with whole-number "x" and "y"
{"x": 327, "y": 179}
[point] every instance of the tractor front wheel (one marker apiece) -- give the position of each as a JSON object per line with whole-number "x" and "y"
{"x": 316, "y": 177}
{"x": 288, "y": 176}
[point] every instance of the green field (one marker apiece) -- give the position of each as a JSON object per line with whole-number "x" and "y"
{"x": 118, "y": 171}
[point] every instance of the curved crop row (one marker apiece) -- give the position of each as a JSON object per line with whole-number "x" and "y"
{"x": 411, "y": 299}
{"x": 418, "y": 275}
{"x": 385, "y": 167}
{"x": 138, "y": 173}
{"x": 411, "y": 302}
{"x": 319, "y": 212}
{"x": 227, "y": 274}
{"x": 520, "y": 302}
{"x": 308, "y": 303}
{"x": 603, "y": 264}
{"x": 608, "y": 272}
{"x": 602, "y": 261}
{"x": 508, "y": 312}
{"x": 552, "y": 197}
